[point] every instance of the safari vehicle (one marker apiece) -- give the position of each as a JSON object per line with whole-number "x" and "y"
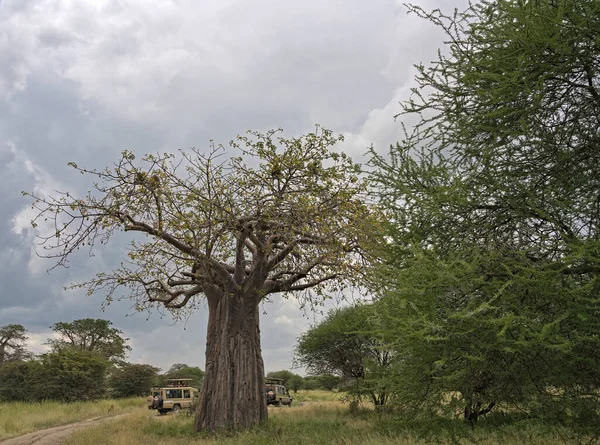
{"x": 177, "y": 395}
{"x": 276, "y": 393}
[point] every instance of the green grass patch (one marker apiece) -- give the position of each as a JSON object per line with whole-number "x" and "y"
{"x": 18, "y": 418}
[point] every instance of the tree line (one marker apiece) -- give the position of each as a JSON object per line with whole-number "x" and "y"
{"x": 85, "y": 361}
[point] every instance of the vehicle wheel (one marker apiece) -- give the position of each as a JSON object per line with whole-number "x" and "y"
{"x": 176, "y": 409}
{"x": 162, "y": 412}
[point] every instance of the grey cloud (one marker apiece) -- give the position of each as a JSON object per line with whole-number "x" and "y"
{"x": 82, "y": 81}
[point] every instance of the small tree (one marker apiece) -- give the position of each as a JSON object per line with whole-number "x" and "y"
{"x": 12, "y": 339}
{"x": 183, "y": 371}
{"x": 329, "y": 381}
{"x": 132, "y": 379}
{"x": 72, "y": 375}
{"x": 287, "y": 216}
{"x": 347, "y": 343}
{"x": 284, "y": 375}
{"x": 90, "y": 335}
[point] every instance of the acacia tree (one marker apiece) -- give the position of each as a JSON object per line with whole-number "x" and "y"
{"x": 493, "y": 263}
{"x": 132, "y": 380}
{"x": 350, "y": 344}
{"x": 286, "y": 215}
{"x": 12, "y": 339}
{"x": 92, "y": 335}
{"x": 183, "y": 371}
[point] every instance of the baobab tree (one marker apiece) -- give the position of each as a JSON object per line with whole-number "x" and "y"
{"x": 12, "y": 340}
{"x": 279, "y": 216}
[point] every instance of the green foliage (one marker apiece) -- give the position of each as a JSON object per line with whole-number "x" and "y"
{"x": 310, "y": 383}
{"x": 183, "y": 371}
{"x": 131, "y": 379}
{"x": 19, "y": 381}
{"x": 491, "y": 272}
{"x": 348, "y": 343}
{"x": 295, "y": 383}
{"x": 71, "y": 375}
{"x": 329, "y": 381}
{"x": 92, "y": 335}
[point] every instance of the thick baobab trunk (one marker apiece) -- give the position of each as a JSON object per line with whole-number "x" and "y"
{"x": 232, "y": 394}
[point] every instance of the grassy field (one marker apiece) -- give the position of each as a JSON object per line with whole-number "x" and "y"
{"x": 316, "y": 417}
{"x": 316, "y": 395}
{"x": 21, "y": 418}
{"x": 317, "y": 422}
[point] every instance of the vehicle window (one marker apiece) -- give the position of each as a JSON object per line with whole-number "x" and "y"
{"x": 173, "y": 393}
{"x": 186, "y": 393}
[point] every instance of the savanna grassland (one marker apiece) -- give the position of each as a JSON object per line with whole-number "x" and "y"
{"x": 318, "y": 418}
{"x": 18, "y": 418}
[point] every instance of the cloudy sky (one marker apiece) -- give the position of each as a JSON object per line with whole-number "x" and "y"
{"x": 83, "y": 80}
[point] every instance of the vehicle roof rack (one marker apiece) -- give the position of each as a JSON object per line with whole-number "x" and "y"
{"x": 273, "y": 381}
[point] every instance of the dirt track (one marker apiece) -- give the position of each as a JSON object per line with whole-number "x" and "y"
{"x": 57, "y": 434}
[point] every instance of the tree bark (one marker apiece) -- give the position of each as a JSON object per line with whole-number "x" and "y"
{"x": 232, "y": 394}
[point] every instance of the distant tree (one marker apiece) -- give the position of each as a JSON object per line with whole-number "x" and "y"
{"x": 296, "y": 382}
{"x": 349, "y": 344}
{"x": 284, "y": 375}
{"x": 12, "y": 339}
{"x": 329, "y": 381}
{"x": 183, "y": 371}
{"x": 310, "y": 383}
{"x": 177, "y": 367}
{"x": 285, "y": 216}
{"x": 290, "y": 380}
{"x": 91, "y": 335}
{"x": 72, "y": 374}
{"x": 132, "y": 379}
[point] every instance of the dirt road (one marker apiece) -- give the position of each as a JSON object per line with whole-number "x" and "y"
{"x": 55, "y": 435}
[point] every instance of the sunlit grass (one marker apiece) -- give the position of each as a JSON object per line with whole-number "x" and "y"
{"x": 315, "y": 423}
{"x": 17, "y": 418}
{"x": 316, "y": 395}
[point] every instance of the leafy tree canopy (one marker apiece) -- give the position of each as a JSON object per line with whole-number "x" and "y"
{"x": 92, "y": 335}
{"x": 493, "y": 260}
{"x": 348, "y": 343}
{"x": 183, "y": 371}
{"x": 132, "y": 379}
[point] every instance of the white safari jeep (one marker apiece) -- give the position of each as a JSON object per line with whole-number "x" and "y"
{"x": 177, "y": 395}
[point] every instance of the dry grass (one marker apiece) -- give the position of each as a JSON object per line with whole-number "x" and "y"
{"x": 316, "y": 395}
{"x": 311, "y": 424}
{"x": 18, "y": 418}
